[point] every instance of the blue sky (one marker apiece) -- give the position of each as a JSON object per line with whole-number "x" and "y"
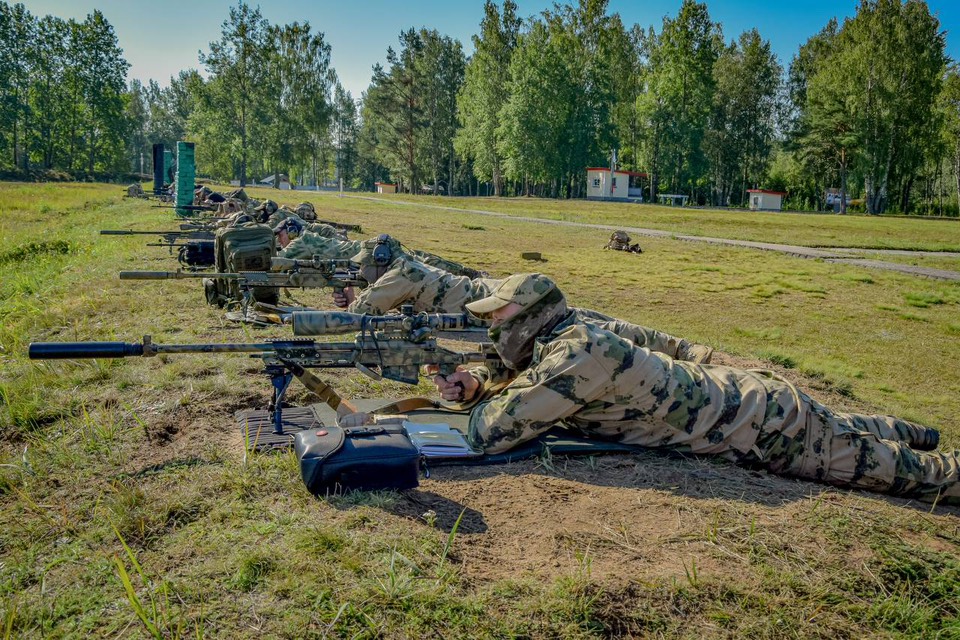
{"x": 161, "y": 38}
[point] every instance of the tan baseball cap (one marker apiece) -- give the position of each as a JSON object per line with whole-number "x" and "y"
{"x": 523, "y": 288}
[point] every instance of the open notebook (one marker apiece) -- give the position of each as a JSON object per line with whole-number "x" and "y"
{"x": 439, "y": 440}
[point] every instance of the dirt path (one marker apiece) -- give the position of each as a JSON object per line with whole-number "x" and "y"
{"x": 841, "y": 255}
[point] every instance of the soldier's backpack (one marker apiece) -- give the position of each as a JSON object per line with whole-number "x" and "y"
{"x": 247, "y": 247}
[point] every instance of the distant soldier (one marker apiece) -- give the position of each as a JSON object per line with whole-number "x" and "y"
{"x": 238, "y": 194}
{"x": 396, "y": 278}
{"x": 620, "y": 241}
{"x": 135, "y": 190}
{"x": 264, "y": 210}
{"x": 582, "y": 376}
{"x": 230, "y": 206}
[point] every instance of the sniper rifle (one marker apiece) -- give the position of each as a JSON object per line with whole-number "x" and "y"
{"x": 285, "y": 272}
{"x": 167, "y": 237}
{"x": 391, "y": 346}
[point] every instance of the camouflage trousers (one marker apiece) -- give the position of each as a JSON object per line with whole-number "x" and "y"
{"x": 862, "y": 452}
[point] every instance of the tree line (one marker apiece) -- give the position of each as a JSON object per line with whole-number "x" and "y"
{"x": 869, "y": 107}
{"x": 62, "y": 93}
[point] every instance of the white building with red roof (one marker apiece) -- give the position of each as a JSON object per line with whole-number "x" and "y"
{"x": 764, "y": 200}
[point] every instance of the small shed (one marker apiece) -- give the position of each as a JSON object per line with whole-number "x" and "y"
{"x": 763, "y": 200}
{"x": 281, "y": 181}
{"x": 385, "y": 187}
{"x": 603, "y": 184}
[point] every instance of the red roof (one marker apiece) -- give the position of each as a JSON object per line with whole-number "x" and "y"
{"x": 628, "y": 173}
{"x": 770, "y": 193}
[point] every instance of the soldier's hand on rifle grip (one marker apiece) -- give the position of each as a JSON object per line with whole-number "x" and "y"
{"x": 343, "y": 297}
{"x": 459, "y": 386}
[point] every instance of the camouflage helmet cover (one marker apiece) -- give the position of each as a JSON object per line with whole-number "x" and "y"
{"x": 306, "y": 211}
{"x": 239, "y": 194}
{"x": 620, "y": 236}
{"x": 526, "y": 289}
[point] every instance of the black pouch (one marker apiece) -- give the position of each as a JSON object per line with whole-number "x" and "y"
{"x": 337, "y": 460}
{"x": 197, "y": 253}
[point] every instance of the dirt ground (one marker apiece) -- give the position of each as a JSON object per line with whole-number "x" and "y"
{"x": 622, "y": 518}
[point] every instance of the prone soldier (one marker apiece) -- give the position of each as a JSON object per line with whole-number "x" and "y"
{"x": 395, "y": 279}
{"x": 620, "y": 241}
{"x": 604, "y": 386}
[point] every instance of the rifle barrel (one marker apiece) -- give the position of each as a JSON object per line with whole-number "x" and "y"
{"x": 169, "y": 275}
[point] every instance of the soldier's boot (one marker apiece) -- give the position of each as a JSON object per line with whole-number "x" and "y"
{"x": 695, "y": 353}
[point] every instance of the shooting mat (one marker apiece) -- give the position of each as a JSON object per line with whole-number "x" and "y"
{"x": 256, "y": 429}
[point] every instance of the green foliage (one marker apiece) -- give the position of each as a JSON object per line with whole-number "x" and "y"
{"x": 677, "y": 104}
{"x": 923, "y": 299}
{"x": 740, "y": 136}
{"x": 62, "y": 103}
{"x": 563, "y": 88}
{"x": 870, "y": 101}
{"x": 485, "y": 91}
{"x": 32, "y": 250}
{"x": 410, "y": 111}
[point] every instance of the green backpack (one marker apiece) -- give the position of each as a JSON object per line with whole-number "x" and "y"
{"x": 247, "y": 247}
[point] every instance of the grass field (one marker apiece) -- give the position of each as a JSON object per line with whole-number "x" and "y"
{"x": 805, "y": 229}
{"x": 128, "y": 508}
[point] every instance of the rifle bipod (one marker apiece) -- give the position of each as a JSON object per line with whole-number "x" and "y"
{"x": 280, "y": 378}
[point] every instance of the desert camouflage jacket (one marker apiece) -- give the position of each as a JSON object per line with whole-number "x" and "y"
{"x": 427, "y": 288}
{"x": 433, "y": 292}
{"x": 313, "y": 244}
{"x": 607, "y": 387}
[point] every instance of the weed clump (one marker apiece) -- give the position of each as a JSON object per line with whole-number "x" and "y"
{"x": 33, "y": 250}
{"x": 923, "y": 300}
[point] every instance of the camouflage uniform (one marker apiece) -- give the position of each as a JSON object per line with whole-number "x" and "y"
{"x": 326, "y": 230}
{"x": 135, "y": 190}
{"x": 230, "y": 206}
{"x": 265, "y": 210}
{"x": 434, "y": 291}
{"x": 604, "y": 386}
{"x": 237, "y": 194}
{"x": 427, "y": 288}
{"x": 620, "y": 241}
{"x": 234, "y": 219}
{"x": 677, "y": 348}
{"x": 312, "y": 244}
{"x": 449, "y": 266}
